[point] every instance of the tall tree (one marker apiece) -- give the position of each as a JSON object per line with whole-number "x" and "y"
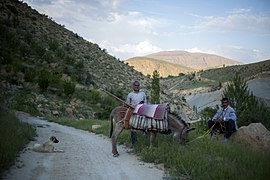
{"x": 155, "y": 91}
{"x": 249, "y": 109}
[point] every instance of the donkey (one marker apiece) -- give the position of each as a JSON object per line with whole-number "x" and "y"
{"x": 175, "y": 124}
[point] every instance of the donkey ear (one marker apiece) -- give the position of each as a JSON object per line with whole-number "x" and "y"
{"x": 191, "y": 129}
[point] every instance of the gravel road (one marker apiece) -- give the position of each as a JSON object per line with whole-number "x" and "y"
{"x": 87, "y": 156}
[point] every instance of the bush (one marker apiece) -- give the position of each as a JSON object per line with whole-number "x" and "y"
{"x": 44, "y": 79}
{"x": 29, "y": 74}
{"x": 69, "y": 87}
{"x": 14, "y": 136}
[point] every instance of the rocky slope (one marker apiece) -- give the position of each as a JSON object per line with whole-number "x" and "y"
{"x": 37, "y": 52}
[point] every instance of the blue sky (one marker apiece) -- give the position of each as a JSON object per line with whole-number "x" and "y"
{"x": 236, "y": 29}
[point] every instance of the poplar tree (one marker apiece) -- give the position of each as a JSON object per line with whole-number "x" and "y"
{"x": 155, "y": 90}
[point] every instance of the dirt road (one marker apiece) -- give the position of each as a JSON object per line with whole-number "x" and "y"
{"x": 87, "y": 156}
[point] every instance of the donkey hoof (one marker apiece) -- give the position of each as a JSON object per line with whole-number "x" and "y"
{"x": 115, "y": 155}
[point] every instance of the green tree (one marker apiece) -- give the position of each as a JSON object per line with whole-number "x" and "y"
{"x": 155, "y": 91}
{"x": 238, "y": 93}
{"x": 248, "y": 108}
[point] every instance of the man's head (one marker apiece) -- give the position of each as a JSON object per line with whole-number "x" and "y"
{"x": 136, "y": 86}
{"x": 224, "y": 102}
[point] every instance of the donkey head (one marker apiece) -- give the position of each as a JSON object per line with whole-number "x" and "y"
{"x": 180, "y": 129}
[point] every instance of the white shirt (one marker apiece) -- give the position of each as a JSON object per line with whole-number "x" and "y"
{"x": 135, "y": 98}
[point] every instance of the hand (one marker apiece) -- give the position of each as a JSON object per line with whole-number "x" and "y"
{"x": 219, "y": 120}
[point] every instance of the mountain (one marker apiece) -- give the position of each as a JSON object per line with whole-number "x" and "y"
{"x": 147, "y": 65}
{"x": 196, "y": 61}
{"x": 173, "y": 63}
{"x": 48, "y": 70}
{"x": 41, "y": 61}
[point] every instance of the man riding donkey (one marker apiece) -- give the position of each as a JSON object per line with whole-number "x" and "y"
{"x": 136, "y": 114}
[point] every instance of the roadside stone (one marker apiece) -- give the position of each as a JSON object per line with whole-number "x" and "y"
{"x": 255, "y": 135}
{"x": 95, "y": 127}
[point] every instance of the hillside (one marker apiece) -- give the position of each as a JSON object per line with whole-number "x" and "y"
{"x": 173, "y": 63}
{"x": 147, "y": 65}
{"x": 35, "y": 51}
{"x": 196, "y": 61}
{"x": 47, "y": 70}
{"x": 210, "y": 83}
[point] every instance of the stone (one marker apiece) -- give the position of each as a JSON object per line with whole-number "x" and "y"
{"x": 255, "y": 135}
{"x": 95, "y": 127}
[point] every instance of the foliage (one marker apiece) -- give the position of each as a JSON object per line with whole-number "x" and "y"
{"x": 249, "y": 109}
{"x": 80, "y": 64}
{"x": 23, "y": 103}
{"x": 206, "y": 115}
{"x": 69, "y": 87}
{"x": 155, "y": 90}
{"x": 14, "y": 136}
{"x": 29, "y": 74}
{"x": 44, "y": 79}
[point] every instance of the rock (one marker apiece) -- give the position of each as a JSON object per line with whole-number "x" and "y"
{"x": 55, "y": 113}
{"x": 69, "y": 111}
{"x": 255, "y": 135}
{"x": 95, "y": 127}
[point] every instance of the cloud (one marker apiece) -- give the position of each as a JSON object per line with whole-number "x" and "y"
{"x": 237, "y": 20}
{"x": 198, "y": 50}
{"x": 94, "y": 9}
{"x": 235, "y": 52}
{"x": 125, "y": 51}
{"x": 242, "y": 54}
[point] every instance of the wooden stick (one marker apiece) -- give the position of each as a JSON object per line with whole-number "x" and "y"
{"x": 116, "y": 97}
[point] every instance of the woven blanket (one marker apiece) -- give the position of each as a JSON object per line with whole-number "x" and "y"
{"x": 144, "y": 123}
{"x": 155, "y": 111}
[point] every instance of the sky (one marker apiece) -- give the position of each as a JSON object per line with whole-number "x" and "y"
{"x": 235, "y": 29}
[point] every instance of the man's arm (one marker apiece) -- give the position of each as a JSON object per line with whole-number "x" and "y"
{"x": 232, "y": 115}
{"x": 128, "y": 100}
{"x": 215, "y": 117}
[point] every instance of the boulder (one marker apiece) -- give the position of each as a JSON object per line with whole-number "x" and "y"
{"x": 255, "y": 135}
{"x": 95, "y": 127}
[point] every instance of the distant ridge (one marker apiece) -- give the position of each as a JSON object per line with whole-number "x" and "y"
{"x": 147, "y": 65}
{"x": 175, "y": 62}
{"x": 193, "y": 60}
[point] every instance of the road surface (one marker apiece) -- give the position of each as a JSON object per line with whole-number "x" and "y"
{"x": 87, "y": 156}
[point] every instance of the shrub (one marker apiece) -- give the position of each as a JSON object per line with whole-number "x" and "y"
{"x": 44, "y": 79}
{"x": 69, "y": 87}
{"x": 14, "y": 136}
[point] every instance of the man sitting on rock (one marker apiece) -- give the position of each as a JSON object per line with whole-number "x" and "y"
{"x": 224, "y": 120}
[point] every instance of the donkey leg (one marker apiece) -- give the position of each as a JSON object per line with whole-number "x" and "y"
{"x": 118, "y": 129}
{"x": 152, "y": 138}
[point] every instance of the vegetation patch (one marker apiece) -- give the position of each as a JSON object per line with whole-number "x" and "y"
{"x": 14, "y": 136}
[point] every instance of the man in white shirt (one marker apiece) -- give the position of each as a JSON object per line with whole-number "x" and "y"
{"x": 226, "y": 117}
{"x": 136, "y": 97}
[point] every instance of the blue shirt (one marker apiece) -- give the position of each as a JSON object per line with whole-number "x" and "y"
{"x": 225, "y": 114}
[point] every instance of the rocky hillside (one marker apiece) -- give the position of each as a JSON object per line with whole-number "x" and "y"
{"x": 48, "y": 70}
